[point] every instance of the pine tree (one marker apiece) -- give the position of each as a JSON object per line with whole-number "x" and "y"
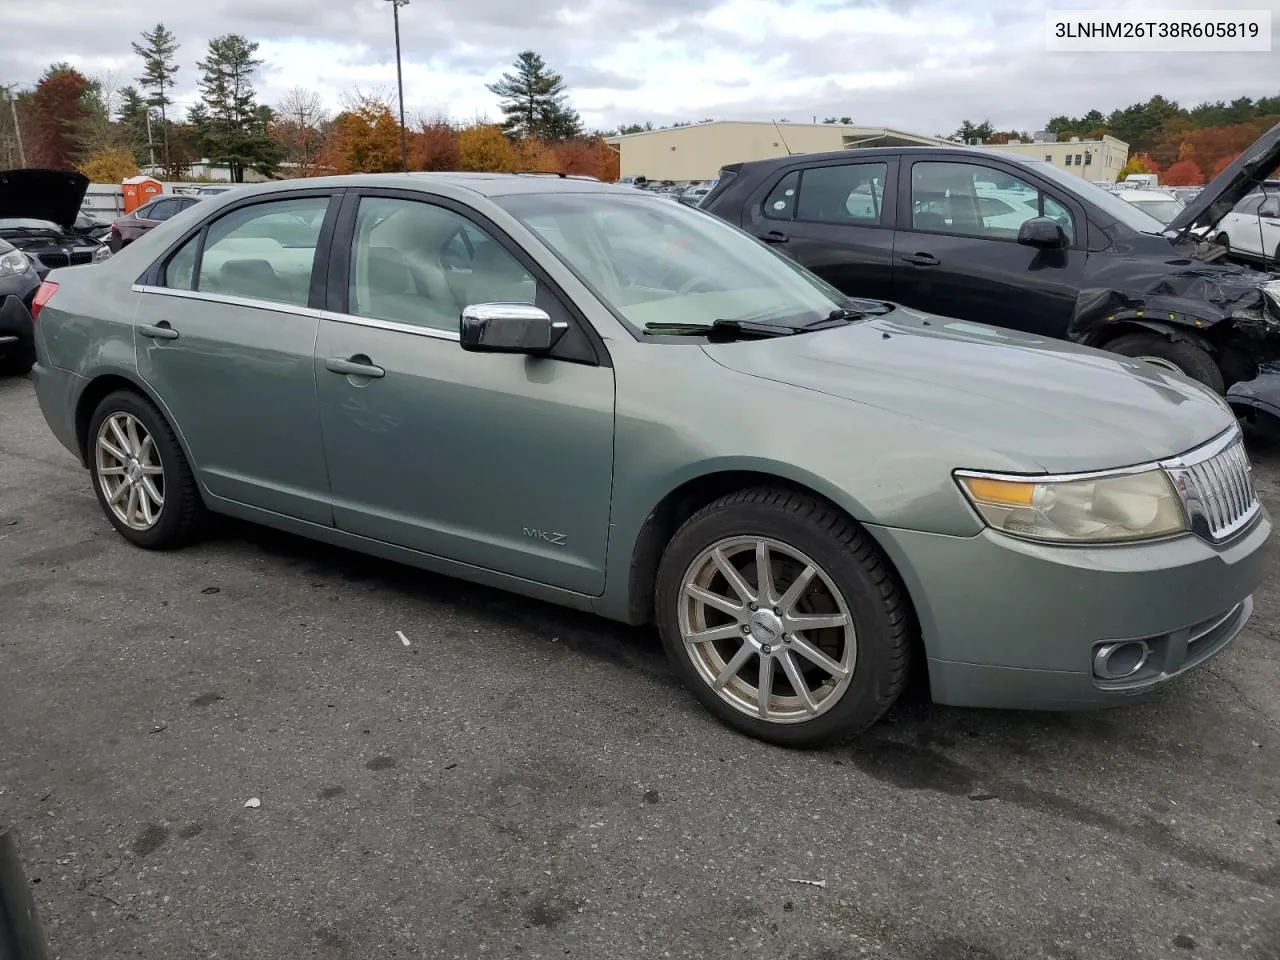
{"x": 158, "y": 51}
{"x": 236, "y": 131}
{"x": 534, "y": 102}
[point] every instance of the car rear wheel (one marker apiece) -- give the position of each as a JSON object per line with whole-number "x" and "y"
{"x": 1178, "y": 356}
{"x": 140, "y": 475}
{"x": 783, "y": 619}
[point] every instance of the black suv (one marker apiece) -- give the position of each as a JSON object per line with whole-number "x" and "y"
{"x": 989, "y": 237}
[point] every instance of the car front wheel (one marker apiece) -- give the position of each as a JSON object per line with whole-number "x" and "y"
{"x": 1178, "y": 356}
{"x": 782, "y": 617}
{"x": 141, "y": 476}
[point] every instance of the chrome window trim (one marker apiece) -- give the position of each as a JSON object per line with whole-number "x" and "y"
{"x": 291, "y": 308}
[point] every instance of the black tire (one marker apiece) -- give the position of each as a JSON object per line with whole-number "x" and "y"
{"x": 182, "y": 515}
{"x": 1191, "y": 359}
{"x": 17, "y": 359}
{"x": 853, "y": 563}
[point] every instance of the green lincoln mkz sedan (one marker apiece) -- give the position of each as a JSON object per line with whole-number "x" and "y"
{"x": 597, "y": 397}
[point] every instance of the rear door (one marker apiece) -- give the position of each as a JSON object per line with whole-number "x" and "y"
{"x": 225, "y": 335}
{"x": 836, "y": 218}
{"x": 956, "y": 250}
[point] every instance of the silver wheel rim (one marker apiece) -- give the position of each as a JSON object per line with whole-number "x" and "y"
{"x": 779, "y": 647}
{"x": 129, "y": 471}
{"x": 1162, "y": 363}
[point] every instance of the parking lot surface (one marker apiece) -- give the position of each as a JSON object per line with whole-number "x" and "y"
{"x": 524, "y": 781}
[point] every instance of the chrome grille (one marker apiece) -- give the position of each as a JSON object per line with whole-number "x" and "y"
{"x": 1215, "y": 483}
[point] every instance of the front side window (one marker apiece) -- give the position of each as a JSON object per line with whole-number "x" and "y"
{"x": 848, "y": 193}
{"x": 180, "y": 271}
{"x": 655, "y": 262}
{"x": 1249, "y": 205}
{"x": 265, "y": 251}
{"x": 978, "y": 201}
{"x": 160, "y": 210}
{"x": 417, "y": 263}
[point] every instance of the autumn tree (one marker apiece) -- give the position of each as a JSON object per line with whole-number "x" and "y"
{"x": 534, "y": 102}
{"x": 434, "y": 146}
{"x": 111, "y": 165}
{"x": 54, "y": 116}
{"x": 158, "y": 51}
{"x": 483, "y": 147}
{"x": 236, "y": 134}
{"x": 592, "y": 158}
{"x": 1184, "y": 173}
{"x": 1223, "y": 163}
{"x": 365, "y": 138}
{"x": 1139, "y": 163}
{"x": 534, "y": 156}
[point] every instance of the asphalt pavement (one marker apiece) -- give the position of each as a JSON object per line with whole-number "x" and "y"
{"x": 525, "y": 781}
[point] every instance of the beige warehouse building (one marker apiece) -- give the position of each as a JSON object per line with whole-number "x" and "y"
{"x": 1098, "y": 160}
{"x": 699, "y": 150}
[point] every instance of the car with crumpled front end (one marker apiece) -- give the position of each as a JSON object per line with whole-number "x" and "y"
{"x": 587, "y": 394}
{"x": 990, "y": 237}
{"x": 38, "y": 213}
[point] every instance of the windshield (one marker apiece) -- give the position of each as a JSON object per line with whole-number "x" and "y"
{"x": 27, "y": 223}
{"x": 655, "y": 262}
{"x": 1106, "y": 201}
{"x": 1162, "y": 210}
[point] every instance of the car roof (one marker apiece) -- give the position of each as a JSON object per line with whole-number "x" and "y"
{"x": 874, "y": 153}
{"x": 485, "y": 184}
{"x": 1146, "y": 195}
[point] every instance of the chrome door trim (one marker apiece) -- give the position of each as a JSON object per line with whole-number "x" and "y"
{"x": 291, "y": 308}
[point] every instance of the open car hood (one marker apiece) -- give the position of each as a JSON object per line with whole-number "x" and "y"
{"x": 53, "y": 195}
{"x": 1246, "y": 173}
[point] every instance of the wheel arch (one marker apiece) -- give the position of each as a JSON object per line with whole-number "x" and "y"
{"x": 105, "y": 384}
{"x": 694, "y": 493}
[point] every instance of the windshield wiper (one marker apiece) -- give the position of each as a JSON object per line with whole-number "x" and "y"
{"x": 723, "y": 329}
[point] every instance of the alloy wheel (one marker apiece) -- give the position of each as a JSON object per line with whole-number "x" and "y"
{"x": 767, "y": 629}
{"x": 129, "y": 471}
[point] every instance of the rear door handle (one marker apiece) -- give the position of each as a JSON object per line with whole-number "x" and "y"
{"x": 775, "y": 236}
{"x": 922, "y": 259}
{"x": 357, "y": 366}
{"x": 159, "y": 331}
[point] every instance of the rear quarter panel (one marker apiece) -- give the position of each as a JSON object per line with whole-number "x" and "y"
{"x": 87, "y": 327}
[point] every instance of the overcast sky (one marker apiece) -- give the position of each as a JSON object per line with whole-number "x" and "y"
{"x": 922, "y": 65}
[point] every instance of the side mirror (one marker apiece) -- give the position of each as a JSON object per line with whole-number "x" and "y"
{"x": 1042, "y": 232}
{"x": 508, "y": 328}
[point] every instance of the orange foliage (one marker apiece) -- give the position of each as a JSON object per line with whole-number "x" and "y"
{"x": 365, "y": 139}
{"x": 1222, "y": 164}
{"x": 55, "y": 109}
{"x": 483, "y": 147}
{"x": 1184, "y": 173}
{"x": 534, "y": 156}
{"x": 435, "y": 147}
{"x": 593, "y": 158}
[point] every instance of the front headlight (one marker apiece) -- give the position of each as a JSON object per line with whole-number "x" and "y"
{"x": 13, "y": 263}
{"x": 1091, "y": 509}
{"x": 102, "y": 253}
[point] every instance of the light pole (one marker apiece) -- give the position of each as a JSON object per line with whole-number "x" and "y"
{"x": 17, "y": 128}
{"x": 404, "y": 136}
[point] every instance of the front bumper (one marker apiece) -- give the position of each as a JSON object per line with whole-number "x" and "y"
{"x": 1012, "y": 624}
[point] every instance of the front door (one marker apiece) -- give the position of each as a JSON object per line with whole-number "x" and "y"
{"x": 500, "y": 461}
{"x": 226, "y": 337}
{"x": 956, "y": 251}
{"x": 836, "y": 219}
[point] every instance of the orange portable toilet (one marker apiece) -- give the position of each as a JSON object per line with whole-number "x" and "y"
{"x": 138, "y": 190}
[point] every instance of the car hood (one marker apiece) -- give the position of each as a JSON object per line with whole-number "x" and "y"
{"x": 1245, "y": 174}
{"x": 1058, "y": 407}
{"x": 53, "y": 195}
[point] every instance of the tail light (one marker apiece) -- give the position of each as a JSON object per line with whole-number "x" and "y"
{"x": 43, "y": 296}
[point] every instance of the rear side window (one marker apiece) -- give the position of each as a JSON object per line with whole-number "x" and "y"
{"x": 781, "y": 202}
{"x": 847, "y": 193}
{"x": 263, "y": 252}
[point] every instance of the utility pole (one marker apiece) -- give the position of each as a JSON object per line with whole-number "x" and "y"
{"x": 17, "y": 127}
{"x": 404, "y": 136}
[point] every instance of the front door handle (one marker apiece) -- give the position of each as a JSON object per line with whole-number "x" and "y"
{"x": 922, "y": 259}
{"x": 775, "y": 236}
{"x": 158, "y": 331}
{"x": 357, "y": 366}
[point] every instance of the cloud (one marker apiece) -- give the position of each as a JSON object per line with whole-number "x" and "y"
{"x": 922, "y": 65}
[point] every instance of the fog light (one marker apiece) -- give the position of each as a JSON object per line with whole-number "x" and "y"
{"x": 1117, "y": 661}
